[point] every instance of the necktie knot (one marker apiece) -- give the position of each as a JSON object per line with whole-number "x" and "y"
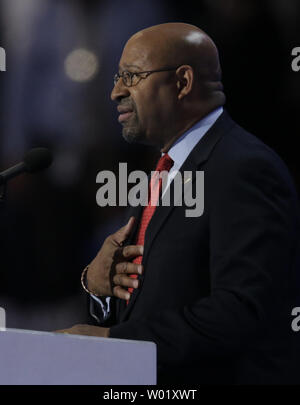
{"x": 164, "y": 163}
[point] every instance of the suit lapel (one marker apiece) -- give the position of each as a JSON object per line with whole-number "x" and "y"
{"x": 196, "y": 158}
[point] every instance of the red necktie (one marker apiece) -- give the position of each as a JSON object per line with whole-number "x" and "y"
{"x": 164, "y": 164}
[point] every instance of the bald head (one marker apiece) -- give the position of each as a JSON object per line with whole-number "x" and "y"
{"x": 175, "y": 44}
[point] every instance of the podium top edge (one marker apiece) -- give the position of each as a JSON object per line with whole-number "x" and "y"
{"x": 70, "y": 336}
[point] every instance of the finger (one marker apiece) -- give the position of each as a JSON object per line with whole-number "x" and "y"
{"x": 131, "y": 251}
{"x": 125, "y": 281}
{"x": 128, "y": 253}
{"x": 129, "y": 268}
{"x": 120, "y": 292}
{"x": 123, "y": 233}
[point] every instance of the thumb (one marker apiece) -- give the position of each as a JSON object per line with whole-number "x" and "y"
{"x": 122, "y": 234}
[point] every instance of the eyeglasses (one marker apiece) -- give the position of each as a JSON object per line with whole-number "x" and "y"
{"x": 133, "y": 78}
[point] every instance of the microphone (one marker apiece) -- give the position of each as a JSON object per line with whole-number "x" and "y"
{"x": 35, "y": 160}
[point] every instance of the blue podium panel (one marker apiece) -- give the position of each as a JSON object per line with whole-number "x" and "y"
{"x": 42, "y": 358}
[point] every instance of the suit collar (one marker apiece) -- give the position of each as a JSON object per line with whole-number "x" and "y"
{"x": 183, "y": 146}
{"x": 199, "y": 155}
{"x": 204, "y": 148}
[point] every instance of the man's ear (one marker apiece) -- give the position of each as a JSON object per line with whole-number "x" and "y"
{"x": 185, "y": 80}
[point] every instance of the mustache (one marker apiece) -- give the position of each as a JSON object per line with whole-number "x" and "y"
{"x": 128, "y": 103}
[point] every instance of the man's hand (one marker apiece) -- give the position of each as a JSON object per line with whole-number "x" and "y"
{"x": 108, "y": 273}
{"x": 87, "y": 330}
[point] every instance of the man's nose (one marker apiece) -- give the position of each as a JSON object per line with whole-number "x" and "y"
{"x": 119, "y": 91}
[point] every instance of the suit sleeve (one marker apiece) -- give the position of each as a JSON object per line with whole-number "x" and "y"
{"x": 252, "y": 244}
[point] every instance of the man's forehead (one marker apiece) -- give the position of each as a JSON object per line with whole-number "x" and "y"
{"x": 136, "y": 55}
{"x": 128, "y": 66}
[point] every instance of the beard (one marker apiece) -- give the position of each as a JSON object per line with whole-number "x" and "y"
{"x": 132, "y": 132}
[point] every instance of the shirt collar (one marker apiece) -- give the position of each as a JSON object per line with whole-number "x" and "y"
{"x": 184, "y": 145}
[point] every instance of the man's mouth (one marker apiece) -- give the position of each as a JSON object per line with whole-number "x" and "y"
{"x": 125, "y": 113}
{"x": 123, "y": 117}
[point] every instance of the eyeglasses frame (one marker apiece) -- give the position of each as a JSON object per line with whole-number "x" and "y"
{"x": 118, "y": 76}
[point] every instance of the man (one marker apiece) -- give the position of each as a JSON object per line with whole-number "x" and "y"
{"x": 214, "y": 292}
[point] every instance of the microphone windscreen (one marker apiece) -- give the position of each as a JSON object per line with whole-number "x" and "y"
{"x": 37, "y": 159}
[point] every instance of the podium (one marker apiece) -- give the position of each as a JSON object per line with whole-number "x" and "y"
{"x": 42, "y": 358}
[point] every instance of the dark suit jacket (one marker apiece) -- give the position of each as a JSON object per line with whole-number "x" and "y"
{"x": 217, "y": 292}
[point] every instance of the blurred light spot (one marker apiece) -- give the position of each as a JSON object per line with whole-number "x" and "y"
{"x": 81, "y": 65}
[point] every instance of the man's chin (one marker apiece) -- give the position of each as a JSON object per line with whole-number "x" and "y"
{"x": 132, "y": 136}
